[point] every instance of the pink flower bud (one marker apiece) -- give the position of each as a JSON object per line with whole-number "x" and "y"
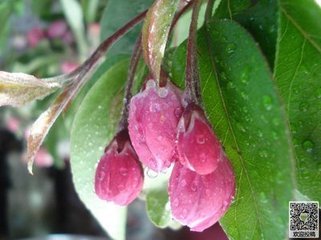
{"x": 199, "y": 201}
{"x": 57, "y": 29}
{"x": 119, "y": 174}
{"x": 34, "y": 36}
{"x": 153, "y": 118}
{"x": 68, "y": 67}
{"x": 197, "y": 146}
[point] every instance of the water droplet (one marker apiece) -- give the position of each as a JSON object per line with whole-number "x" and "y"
{"x": 272, "y": 28}
{"x": 101, "y": 175}
{"x": 259, "y": 134}
{"x": 183, "y": 183}
{"x": 275, "y": 135}
{"x": 230, "y": 85}
{"x": 319, "y": 93}
{"x": 154, "y": 107}
{"x": 178, "y": 112}
{"x": 176, "y": 202}
{"x": 276, "y": 121}
{"x": 223, "y": 76}
{"x": 245, "y": 75}
{"x": 308, "y": 146}
{"x": 304, "y": 106}
{"x": 163, "y": 92}
{"x": 244, "y": 95}
{"x": 193, "y": 187}
{"x": 184, "y": 213}
{"x": 240, "y": 127}
{"x": 263, "y": 154}
{"x": 267, "y": 102}
{"x": 150, "y": 84}
{"x": 123, "y": 171}
{"x": 200, "y": 139}
{"x": 230, "y": 48}
{"x": 150, "y": 173}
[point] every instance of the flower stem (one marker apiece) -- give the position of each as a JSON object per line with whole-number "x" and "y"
{"x": 137, "y": 52}
{"x": 209, "y": 10}
{"x": 192, "y": 81}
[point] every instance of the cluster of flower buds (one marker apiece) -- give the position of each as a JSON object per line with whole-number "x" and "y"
{"x": 162, "y": 132}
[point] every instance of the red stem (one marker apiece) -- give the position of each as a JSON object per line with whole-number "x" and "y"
{"x": 137, "y": 51}
{"x": 191, "y": 72}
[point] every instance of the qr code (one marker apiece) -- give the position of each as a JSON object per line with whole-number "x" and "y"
{"x": 303, "y": 219}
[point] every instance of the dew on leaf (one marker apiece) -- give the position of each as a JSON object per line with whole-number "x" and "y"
{"x": 308, "y": 146}
{"x": 267, "y": 102}
{"x": 263, "y": 154}
{"x": 319, "y": 93}
{"x": 304, "y": 106}
{"x": 230, "y": 85}
{"x": 275, "y": 135}
{"x": 276, "y": 121}
{"x": 230, "y": 48}
{"x": 244, "y": 95}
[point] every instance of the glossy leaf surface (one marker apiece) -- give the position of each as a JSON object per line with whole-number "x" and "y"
{"x": 298, "y": 75}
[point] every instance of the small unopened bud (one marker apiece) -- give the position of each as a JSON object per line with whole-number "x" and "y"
{"x": 199, "y": 201}
{"x": 197, "y": 146}
{"x": 153, "y": 118}
{"x": 34, "y": 36}
{"x": 57, "y": 29}
{"x": 119, "y": 174}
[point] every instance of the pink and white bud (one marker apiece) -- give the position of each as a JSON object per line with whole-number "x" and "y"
{"x": 197, "y": 146}
{"x": 34, "y": 36}
{"x": 68, "y": 67}
{"x": 153, "y": 118}
{"x": 119, "y": 175}
{"x": 199, "y": 201}
{"x": 57, "y": 29}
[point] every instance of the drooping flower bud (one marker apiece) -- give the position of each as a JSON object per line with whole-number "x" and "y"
{"x": 119, "y": 174}
{"x": 197, "y": 146}
{"x": 199, "y": 201}
{"x": 153, "y": 118}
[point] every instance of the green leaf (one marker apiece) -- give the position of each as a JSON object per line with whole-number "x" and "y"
{"x": 75, "y": 18}
{"x": 229, "y": 8}
{"x": 261, "y": 21}
{"x": 259, "y": 18}
{"x": 155, "y": 33}
{"x": 298, "y": 74}
{"x": 247, "y": 115}
{"x": 94, "y": 126}
{"x": 90, "y": 9}
{"x": 155, "y": 193}
{"x": 116, "y": 14}
{"x": 18, "y": 89}
{"x": 158, "y": 209}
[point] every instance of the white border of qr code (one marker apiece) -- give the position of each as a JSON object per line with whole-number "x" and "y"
{"x": 297, "y": 233}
